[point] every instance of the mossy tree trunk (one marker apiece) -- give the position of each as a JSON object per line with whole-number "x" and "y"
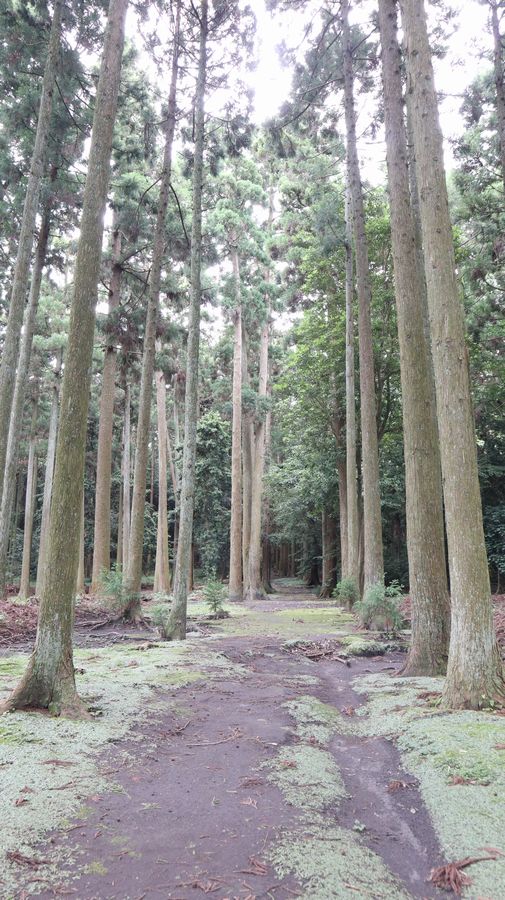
{"x": 423, "y": 480}
{"x": 176, "y": 627}
{"x": 25, "y": 243}
{"x": 474, "y": 671}
{"x": 126, "y": 479}
{"x": 31, "y": 489}
{"x": 162, "y": 568}
{"x": 350, "y": 406}
{"x": 247, "y": 469}
{"x": 48, "y": 479}
{"x": 101, "y": 541}
{"x": 49, "y": 680}
{"x": 235, "y": 579}
{"x": 18, "y": 400}
{"x": 373, "y": 561}
{"x": 256, "y": 590}
{"x": 136, "y": 546}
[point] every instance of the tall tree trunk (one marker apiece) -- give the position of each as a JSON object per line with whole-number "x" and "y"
{"x": 176, "y": 627}
{"x": 126, "y": 479}
{"x": 343, "y": 517}
{"x": 162, "y": 568}
{"x": 31, "y": 488}
{"x": 135, "y": 553}
{"x": 119, "y": 542}
{"x": 374, "y": 561}
{"x": 499, "y": 81}
{"x": 350, "y": 406}
{"x": 235, "y": 580}
{"x": 79, "y": 583}
{"x": 101, "y": 542}
{"x": 423, "y": 480}
{"x": 329, "y": 560}
{"x": 9, "y": 484}
{"x": 247, "y": 468}
{"x": 474, "y": 671}
{"x": 48, "y": 480}
{"x": 256, "y": 590}
{"x": 49, "y": 679}
{"x": 25, "y": 243}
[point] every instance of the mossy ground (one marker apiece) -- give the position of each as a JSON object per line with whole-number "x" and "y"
{"x": 436, "y": 746}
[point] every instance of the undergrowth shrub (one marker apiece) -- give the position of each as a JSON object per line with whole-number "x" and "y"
{"x": 380, "y": 608}
{"x": 213, "y": 595}
{"x": 111, "y": 583}
{"x": 159, "y": 616}
{"x": 346, "y": 592}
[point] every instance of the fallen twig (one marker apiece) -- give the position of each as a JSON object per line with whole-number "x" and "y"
{"x": 237, "y": 733}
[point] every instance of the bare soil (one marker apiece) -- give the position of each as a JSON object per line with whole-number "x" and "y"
{"x": 196, "y": 813}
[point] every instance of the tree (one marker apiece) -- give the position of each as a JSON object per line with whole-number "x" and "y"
{"x": 25, "y": 242}
{"x": 49, "y": 680}
{"x": 176, "y": 627}
{"x": 373, "y": 562}
{"x": 474, "y": 671}
{"x": 425, "y": 518}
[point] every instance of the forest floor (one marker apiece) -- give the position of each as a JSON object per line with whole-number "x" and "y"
{"x": 265, "y": 757}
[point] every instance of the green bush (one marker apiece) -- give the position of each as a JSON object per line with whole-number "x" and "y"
{"x": 159, "y": 616}
{"x": 214, "y": 594}
{"x": 380, "y": 608}
{"x": 111, "y": 583}
{"x": 346, "y": 592}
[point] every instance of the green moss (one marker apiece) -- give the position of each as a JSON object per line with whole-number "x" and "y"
{"x": 437, "y": 745}
{"x": 95, "y": 868}
{"x": 314, "y": 719}
{"x": 308, "y": 777}
{"x": 333, "y": 863}
{"x": 12, "y": 665}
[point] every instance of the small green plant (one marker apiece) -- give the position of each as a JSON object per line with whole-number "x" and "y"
{"x": 213, "y": 595}
{"x": 159, "y": 616}
{"x": 111, "y": 583}
{"x": 380, "y": 608}
{"x": 346, "y": 592}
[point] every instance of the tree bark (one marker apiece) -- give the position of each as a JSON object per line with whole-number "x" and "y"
{"x": 329, "y": 560}
{"x": 48, "y": 480}
{"x": 474, "y": 671}
{"x": 162, "y": 568}
{"x": 49, "y": 679}
{"x": 343, "y": 517}
{"x": 374, "y": 561}
{"x": 25, "y": 243}
{"x": 176, "y": 627}
{"x": 16, "y": 418}
{"x": 423, "y": 482}
{"x": 247, "y": 469}
{"x": 135, "y": 553}
{"x": 350, "y": 407}
{"x": 126, "y": 479}
{"x": 499, "y": 81}
{"x": 31, "y": 487}
{"x": 256, "y": 590}
{"x": 79, "y": 583}
{"x": 235, "y": 579}
{"x": 101, "y": 543}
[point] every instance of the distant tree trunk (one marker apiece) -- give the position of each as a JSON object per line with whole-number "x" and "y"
{"x": 176, "y": 628}
{"x": 119, "y": 542}
{"x": 474, "y": 671}
{"x": 373, "y": 562}
{"x": 16, "y": 419}
{"x": 49, "y": 679}
{"x": 162, "y": 568}
{"x": 135, "y": 553}
{"x": 266, "y": 563}
{"x": 343, "y": 517}
{"x": 329, "y": 561}
{"x": 247, "y": 468}
{"x": 48, "y": 480}
{"x": 423, "y": 480}
{"x": 499, "y": 80}
{"x": 126, "y": 479}
{"x": 352, "y": 567}
{"x": 79, "y": 584}
{"x": 256, "y": 590}
{"x": 235, "y": 580}
{"x": 31, "y": 489}
{"x": 25, "y": 243}
{"x": 101, "y": 545}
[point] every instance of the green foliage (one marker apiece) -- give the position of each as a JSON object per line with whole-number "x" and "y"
{"x": 214, "y": 594}
{"x": 346, "y": 592}
{"x": 212, "y": 491}
{"x": 380, "y": 607}
{"x": 111, "y": 583}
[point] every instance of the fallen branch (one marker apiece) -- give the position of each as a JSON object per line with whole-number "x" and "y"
{"x": 236, "y": 734}
{"x": 451, "y": 878}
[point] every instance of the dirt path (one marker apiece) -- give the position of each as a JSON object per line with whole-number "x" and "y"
{"x": 227, "y": 791}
